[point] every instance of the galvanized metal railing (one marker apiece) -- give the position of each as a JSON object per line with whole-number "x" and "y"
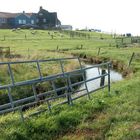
{"x": 69, "y": 89}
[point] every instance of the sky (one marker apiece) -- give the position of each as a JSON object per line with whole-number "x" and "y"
{"x": 120, "y": 16}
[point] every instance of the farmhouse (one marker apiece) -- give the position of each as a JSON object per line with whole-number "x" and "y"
{"x": 42, "y": 19}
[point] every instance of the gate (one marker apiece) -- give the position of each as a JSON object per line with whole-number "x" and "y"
{"x": 64, "y": 93}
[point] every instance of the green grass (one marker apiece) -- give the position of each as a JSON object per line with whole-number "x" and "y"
{"x": 114, "y": 117}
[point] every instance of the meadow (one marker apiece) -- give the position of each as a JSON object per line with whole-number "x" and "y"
{"x": 103, "y": 117}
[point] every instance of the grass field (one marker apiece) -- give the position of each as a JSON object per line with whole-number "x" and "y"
{"x": 103, "y": 117}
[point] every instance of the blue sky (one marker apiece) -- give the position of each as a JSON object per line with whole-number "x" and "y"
{"x": 121, "y": 16}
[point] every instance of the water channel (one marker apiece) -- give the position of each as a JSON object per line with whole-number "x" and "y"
{"x": 94, "y": 72}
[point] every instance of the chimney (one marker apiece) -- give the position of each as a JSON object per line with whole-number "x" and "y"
{"x": 41, "y": 7}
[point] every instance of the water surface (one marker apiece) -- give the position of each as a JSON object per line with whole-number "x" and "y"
{"x": 94, "y": 72}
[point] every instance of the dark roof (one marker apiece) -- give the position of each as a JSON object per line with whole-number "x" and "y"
{"x": 12, "y": 15}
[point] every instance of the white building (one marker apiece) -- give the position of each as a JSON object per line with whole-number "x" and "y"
{"x": 65, "y": 27}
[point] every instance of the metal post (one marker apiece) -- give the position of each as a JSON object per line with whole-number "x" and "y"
{"x": 49, "y": 107}
{"x": 69, "y": 98}
{"x": 69, "y": 90}
{"x": 99, "y": 70}
{"x": 108, "y": 67}
{"x": 70, "y": 83}
{"x": 35, "y": 93}
{"x": 102, "y": 82}
{"x": 11, "y": 74}
{"x": 38, "y": 67}
{"x": 10, "y": 97}
{"x": 21, "y": 114}
{"x": 54, "y": 88}
{"x": 68, "y": 87}
{"x": 84, "y": 78}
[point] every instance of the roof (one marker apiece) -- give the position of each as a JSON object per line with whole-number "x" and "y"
{"x": 8, "y": 15}
{"x": 12, "y": 15}
{"x": 30, "y": 14}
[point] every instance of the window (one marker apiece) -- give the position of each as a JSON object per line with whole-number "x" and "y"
{"x": 32, "y": 21}
{"x": 20, "y": 21}
{"x": 44, "y": 20}
{"x": 40, "y": 14}
{"x": 3, "y": 20}
{"x": 37, "y": 20}
{"x": 24, "y": 21}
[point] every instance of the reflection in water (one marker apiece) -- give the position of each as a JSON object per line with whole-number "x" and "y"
{"x": 94, "y": 72}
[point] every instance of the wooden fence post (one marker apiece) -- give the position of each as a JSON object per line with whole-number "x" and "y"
{"x": 122, "y": 40}
{"x": 51, "y": 36}
{"x": 4, "y": 38}
{"x": 81, "y": 46}
{"x": 28, "y": 53}
{"x": 25, "y": 36}
{"x": 98, "y": 51}
{"x": 132, "y": 56}
{"x": 57, "y": 47}
{"x": 1, "y": 51}
{"x": 9, "y": 51}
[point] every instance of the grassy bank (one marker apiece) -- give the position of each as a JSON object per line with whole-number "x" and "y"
{"x": 114, "y": 117}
